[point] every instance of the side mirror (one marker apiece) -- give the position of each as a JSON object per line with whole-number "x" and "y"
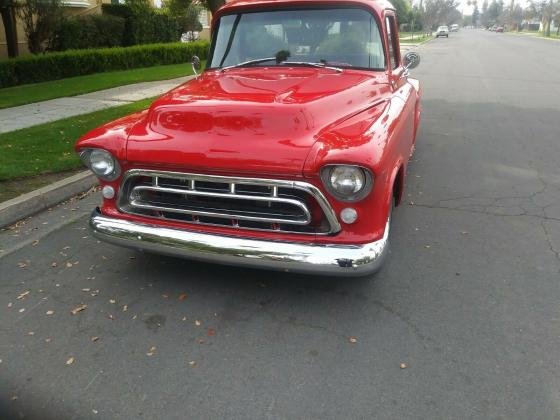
{"x": 411, "y": 60}
{"x": 195, "y": 61}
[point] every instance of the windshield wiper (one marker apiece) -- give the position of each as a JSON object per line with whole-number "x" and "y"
{"x": 250, "y": 63}
{"x": 311, "y": 64}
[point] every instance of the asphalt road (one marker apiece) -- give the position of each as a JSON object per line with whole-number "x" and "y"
{"x": 463, "y": 321}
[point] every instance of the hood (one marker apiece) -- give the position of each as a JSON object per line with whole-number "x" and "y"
{"x": 250, "y": 120}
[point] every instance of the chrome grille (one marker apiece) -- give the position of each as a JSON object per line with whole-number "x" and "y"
{"x": 248, "y": 203}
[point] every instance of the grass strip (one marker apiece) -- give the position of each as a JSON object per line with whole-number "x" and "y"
{"x": 49, "y": 148}
{"x": 35, "y": 92}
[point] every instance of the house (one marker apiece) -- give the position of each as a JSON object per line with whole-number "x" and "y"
{"x": 72, "y": 7}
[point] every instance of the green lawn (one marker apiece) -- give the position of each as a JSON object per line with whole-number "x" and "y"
{"x": 409, "y": 37}
{"x": 48, "y": 148}
{"x": 35, "y": 92}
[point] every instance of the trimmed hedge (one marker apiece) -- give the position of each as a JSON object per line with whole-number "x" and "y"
{"x": 91, "y": 31}
{"x": 144, "y": 24}
{"x": 41, "y": 68}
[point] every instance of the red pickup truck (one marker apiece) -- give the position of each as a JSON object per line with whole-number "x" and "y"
{"x": 289, "y": 151}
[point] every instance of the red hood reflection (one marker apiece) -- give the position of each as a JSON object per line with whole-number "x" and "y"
{"x": 253, "y": 120}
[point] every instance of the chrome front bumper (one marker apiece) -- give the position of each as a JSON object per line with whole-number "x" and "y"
{"x": 334, "y": 260}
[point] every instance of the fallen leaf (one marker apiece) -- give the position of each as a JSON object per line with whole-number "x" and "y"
{"x": 22, "y": 265}
{"x": 164, "y": 296}
{"x": 21, "y": 296}
{"x": 86, "y": 289}
{"x": 135, "y": 316}
{"x": 464, "y": 232}
{"x": 94, "y": 339}
{"x": 10, "y": 305}
{"x": 125, "y": 308}
{"x": 353, "y": 339}
{"x": 50, "y": 312}
{"x": 35, "y": 242}
{"x": 70, "y": 360}
{"x": 111, "y": 317}
{"x": 426, "y": 246}
{"x": 197, "y": 323}
{"x": 54, "y": 264}
{"x": 66, "y": 247}
{"x": 152, "y": 351}
{"x": 200, "y": 341}
{"x": 94, "y": 411}
{"x": 113, "y": 301}
{"x": 21, "y": 310}
{"x": 78, "y": 308}
{"x": 211, "y": 332}
{"x": 31, "y": 333}
{"x": 68, "y": 264}
{"x": 184, "y": 318}
{"x": 48, "y": 340}
{"x": 403, "y": 365}
{"x": 14, "y": 397}
{"x": 182, "y": 296}
{"x": 192, "y": 363}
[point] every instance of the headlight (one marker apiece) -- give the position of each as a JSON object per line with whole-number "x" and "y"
{"x": 102, "y": 163}
{"x": 347, "y": 182}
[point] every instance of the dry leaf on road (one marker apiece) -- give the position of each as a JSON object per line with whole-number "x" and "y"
{"x": 78, "y": 308}
{"x": 353, "y": 339}
{"x": 197, "y": 323}
{"x": 94, "y": 339}
{"x": 182, "y": 296}
{"x": 152, "y": 351}
{"x": 22, "y": 295}
{"x": 49, "y": 312}
{"x": 70, "y": 360}
{"x": 403, "y": 365}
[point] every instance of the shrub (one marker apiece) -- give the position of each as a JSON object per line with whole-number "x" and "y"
{"x": 89, "y": 31}
{"x": 58, "y": 65}
{"x": 143, "y": 24}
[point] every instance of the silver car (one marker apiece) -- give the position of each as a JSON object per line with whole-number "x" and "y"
{"x": 442, "y": 31}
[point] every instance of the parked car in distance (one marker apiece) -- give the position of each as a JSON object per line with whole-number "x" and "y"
{"x": 288, "y": 152}
{"x": 455, "y": 28}
{"x": 500, "y": 29}
{"x": 442, "y": 31}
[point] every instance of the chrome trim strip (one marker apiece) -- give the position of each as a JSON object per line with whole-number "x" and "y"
{"x": 300, "y": 185}
{"x": 329, "y": 259}
{"x": 223, "y": 215}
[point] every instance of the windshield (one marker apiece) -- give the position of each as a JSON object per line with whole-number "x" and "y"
{"x": 340, "y": 37}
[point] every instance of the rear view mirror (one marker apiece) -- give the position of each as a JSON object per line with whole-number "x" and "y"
{"x": 195, "y": 61}
{"x": 411, "y": 60}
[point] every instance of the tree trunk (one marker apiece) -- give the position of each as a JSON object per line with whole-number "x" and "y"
{"x": 214, "y": 5}
{"x": 9, "y": 20}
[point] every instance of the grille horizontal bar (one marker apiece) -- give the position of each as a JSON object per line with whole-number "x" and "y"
{"x": 251, "y": 203}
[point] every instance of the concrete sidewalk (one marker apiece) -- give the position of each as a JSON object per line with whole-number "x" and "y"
{"x": 55, "y": 109}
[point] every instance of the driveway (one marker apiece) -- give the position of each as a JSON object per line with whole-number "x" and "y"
{"x": 463, "y": 321}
